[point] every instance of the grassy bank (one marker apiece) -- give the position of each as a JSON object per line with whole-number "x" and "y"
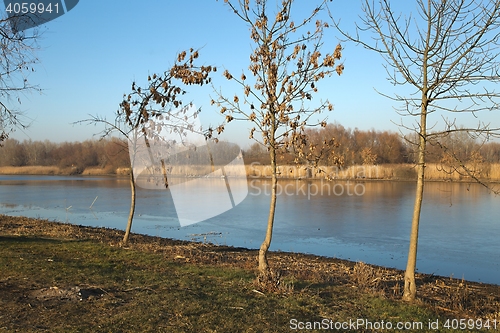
{"x": 63, "y": 278}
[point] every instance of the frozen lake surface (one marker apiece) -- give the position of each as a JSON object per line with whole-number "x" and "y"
{"x": 365, "y": 221}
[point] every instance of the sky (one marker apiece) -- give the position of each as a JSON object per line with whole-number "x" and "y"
{"x": 90, "y": 56}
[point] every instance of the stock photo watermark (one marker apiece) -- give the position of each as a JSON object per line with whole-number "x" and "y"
{"x": 302, "y": 181}
{"x": 363, "y": 324}
{"x": 206, "y": 179}
{"x": 25, "y": 15}
{"x": 310, "y": 189}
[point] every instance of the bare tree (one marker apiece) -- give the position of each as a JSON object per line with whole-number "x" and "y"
{"x": 16, "y": 62}
{"x": 285, "y": 67}
{"x": 157, "y": 104}
{"x": 447, "y": 52}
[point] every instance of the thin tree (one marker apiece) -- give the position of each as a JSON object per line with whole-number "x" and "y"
{"x": 144, "y": 112}
{"x": 17, "y": 58}
{"x": 285, "y": 66}
{"x": 447, "y": 52}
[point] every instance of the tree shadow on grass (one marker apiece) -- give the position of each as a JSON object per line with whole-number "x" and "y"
{"x": 33, "y": 239}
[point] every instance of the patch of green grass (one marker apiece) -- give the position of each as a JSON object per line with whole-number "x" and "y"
{"x": 147, "y": 292}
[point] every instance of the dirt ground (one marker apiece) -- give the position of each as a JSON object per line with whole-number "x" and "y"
{"x": 446, "y": 295}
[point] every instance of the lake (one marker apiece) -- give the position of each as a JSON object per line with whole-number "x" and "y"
{"x": 358, "y": 221}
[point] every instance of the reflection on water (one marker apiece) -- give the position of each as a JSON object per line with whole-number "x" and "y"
{"x": 365, "y": 221}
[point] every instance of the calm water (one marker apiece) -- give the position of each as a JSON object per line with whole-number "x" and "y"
{"x": 368, "y": 222}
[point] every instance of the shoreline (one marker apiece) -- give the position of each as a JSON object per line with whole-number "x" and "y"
{"x": 252, "y": 173}
{"x": 62, "y": 277}
{"x": 58, "y": 277}
{"x": 25, "y": 226}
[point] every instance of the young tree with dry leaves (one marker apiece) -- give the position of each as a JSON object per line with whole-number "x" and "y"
{"x": 447, "y": 52}
{"x": 147, "y": 111}
{"x": 16, "y": 62}
{"x": 286, "y": 65}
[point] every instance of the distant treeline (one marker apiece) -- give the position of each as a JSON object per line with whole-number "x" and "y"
{"x": 106, "y": 154}
{"x": 372, "y": 147}
{"x": 352, "y": 147}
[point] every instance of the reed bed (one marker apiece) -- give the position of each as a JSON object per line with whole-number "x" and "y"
{"x": 433, "y": 171}
{"x": 30, "y": 170}
{"x": 100, "y": 171}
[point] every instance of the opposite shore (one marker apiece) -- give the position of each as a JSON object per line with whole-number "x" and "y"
{"x": 400, "y": 172}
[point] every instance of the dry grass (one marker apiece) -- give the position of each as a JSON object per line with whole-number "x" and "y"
{"x": 385, "y": 171}
{"x": 389, "y": 171}
{"x": 30, "y": 170}
{"x": 55, "y": 170}
{"x": 433, "y": 171}
{"x": 156, "y": 276}
{"x": 99, "y": 171}
{"x": 494, "y": 173}
{"x": 366, "y": 277}
{"x": 122, "y": 171}
{"x": 487, "y": 172}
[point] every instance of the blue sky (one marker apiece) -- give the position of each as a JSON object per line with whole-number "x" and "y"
{"x": 90, "y": 56}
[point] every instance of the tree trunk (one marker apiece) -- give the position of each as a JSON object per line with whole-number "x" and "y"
{"x": 410, "y": 288}
{"x": 263, "y": 265}
{"x": 132, "y": 208}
